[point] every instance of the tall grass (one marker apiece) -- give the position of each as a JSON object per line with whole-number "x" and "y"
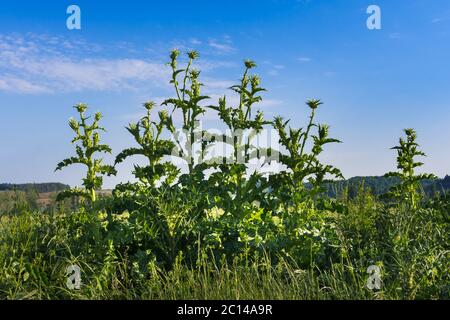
{"x": 36, "y": 248}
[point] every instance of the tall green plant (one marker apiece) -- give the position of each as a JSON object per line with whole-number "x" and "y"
{"x": 148, "y": 135}
{"x": 87, "y": 145}
{"x": 188, "y": 97}
{"x": 305, "y": 166}
{"x": 234, "y": 187}
{"x": 407, "y": 151}
{"x": 240, "y": 118}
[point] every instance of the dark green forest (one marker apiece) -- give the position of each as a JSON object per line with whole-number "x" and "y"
{"x": 38, "y": 187}
{"x": 379, "y": 185}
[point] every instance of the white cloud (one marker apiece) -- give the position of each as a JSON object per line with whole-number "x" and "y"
{"x": 216, "y": 84}
{"x": 98, "y": 74}
{"x": 222, "y": 47}
{"x": 40, "y": 65}
{"x": 439, "y": 20}
{"x": 274, "y": 68}
{"x": 34, "y": 64}
{"x": 11, "y": 84}
{"x": 304, "y": 59}
{"x": 195, "y": 42}
{"x": 395, "y": 35}
{"x": 267, "y": 103}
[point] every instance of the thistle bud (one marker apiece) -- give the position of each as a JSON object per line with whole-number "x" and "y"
{"x": 314, "y": 103}
{"x": 133, "y": 127}
{"x": 145, "y": 122}
{"x": 174, "y": 54}
{"x": 96, "y": 139}
{"x": 411, "y": 132}
{"x": 163, "y": 115}
{"x": 194, "y": 73}
{"x": 81, "y": 107}
{"x": 193, "y": 54}
{"x": 255, "y": 81}
{"x": 74, "y": 124}
{"x": 278, "y": 122}
{"x": 149, "y": 105}
{"x": 249, "y": 64}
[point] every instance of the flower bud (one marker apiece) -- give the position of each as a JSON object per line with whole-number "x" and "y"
{"x": 149, "y": 105}
{"x": 314, "y": 103}
{"x": 249, "y": 64}
{"x": 193, "y": 54}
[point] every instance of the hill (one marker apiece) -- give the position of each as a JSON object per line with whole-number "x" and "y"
{"x": 37, "y": 187}
{"x": 381, "y": 185}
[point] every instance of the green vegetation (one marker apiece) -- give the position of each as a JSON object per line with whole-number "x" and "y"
{"x": 37, "y": 187}
{"x": 220, "y": 231}
{"x": 410, "y": 182}
{"x": 381, "y": 185}
{"x": 88, "y": 137}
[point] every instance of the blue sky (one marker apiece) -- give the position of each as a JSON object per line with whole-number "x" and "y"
{"x": 374, "y": 82}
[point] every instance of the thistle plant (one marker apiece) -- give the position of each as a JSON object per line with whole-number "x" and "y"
{"x": 305, "y": 166}
{"x": 147, "y": 134}
{"x": 233, "y": 185}
{"x": 240, "y": 118}
{"x": 188, "y": 97}
{"x": 87, "y": 144}
{"x": 407, "y": 151}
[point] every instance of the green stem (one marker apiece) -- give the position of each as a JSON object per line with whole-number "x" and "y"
{"x": 310, "y": 125}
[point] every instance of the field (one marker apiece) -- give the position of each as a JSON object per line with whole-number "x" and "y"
{"x": 218, "y": 231}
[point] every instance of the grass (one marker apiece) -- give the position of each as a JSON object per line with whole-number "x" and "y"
{"x": 36, "y": 248}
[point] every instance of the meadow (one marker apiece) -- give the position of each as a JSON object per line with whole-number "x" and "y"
{"x": 218, "y": 230}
